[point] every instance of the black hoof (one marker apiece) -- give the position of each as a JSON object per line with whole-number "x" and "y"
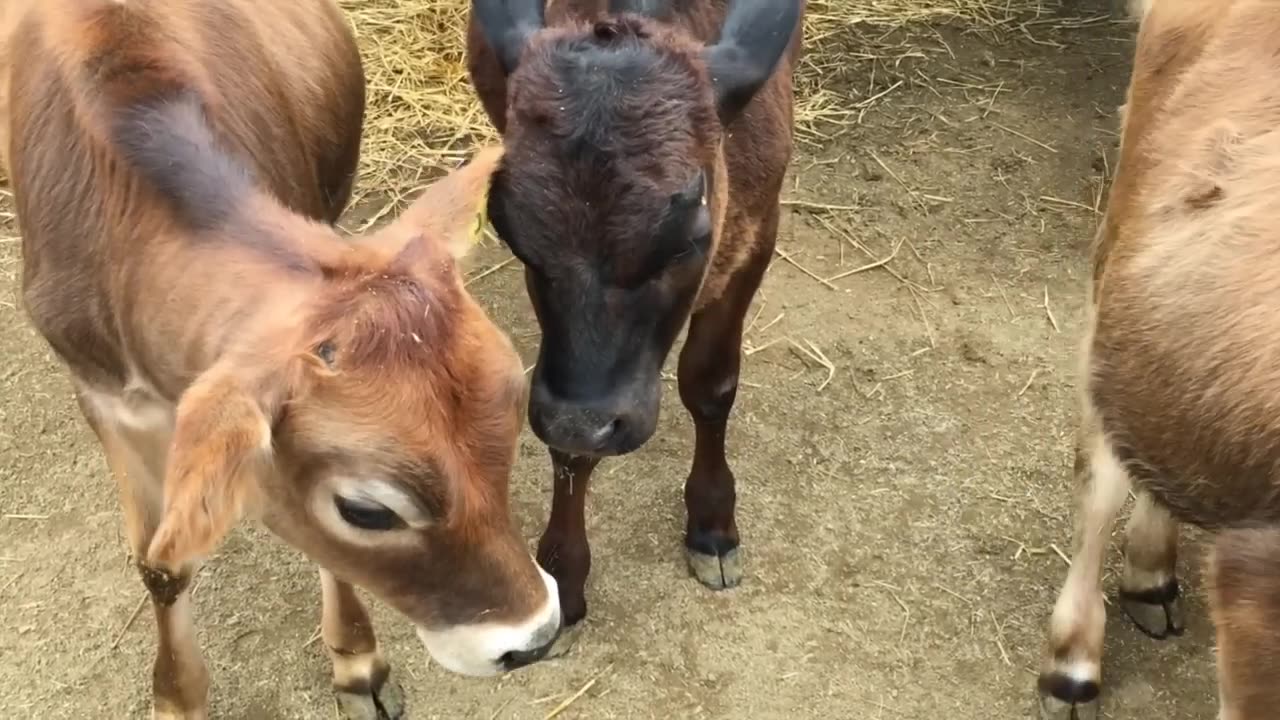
{"x": 1063, "y": 697}
{"x": 386, "y": 702}
{"x": 566, "y": 641}
{"x": 1157, "y": 612}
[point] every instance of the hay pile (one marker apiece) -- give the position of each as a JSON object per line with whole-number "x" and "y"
{"x": 423, "y": 115}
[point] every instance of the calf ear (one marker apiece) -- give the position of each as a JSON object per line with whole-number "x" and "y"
{"x": 452, "y": 210}
{"x": 221, "y": 437}
{"x": 754, "y": 36}
{"x": 507, "y": 26}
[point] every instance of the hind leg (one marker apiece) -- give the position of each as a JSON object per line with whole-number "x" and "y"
{"x": 1070, "y": 678}
{"x": 1149, "y": 592}
{"x": 1242, "y": 575}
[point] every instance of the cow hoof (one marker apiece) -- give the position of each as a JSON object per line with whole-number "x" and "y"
{"x": 1063, "y": 697}
{"x": 172, "y": 714}
{"x": 564, "y": 643}
{"x": 718, "y": 572}
{"x": 1157, "y": 612}
{"x": 385, "y": 703}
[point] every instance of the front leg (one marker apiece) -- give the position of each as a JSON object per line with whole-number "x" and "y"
{"x": 179, "y": 678}
{"x": 708, "y": 376}
{"x": 563, "y": 550}
{"x": 361, "y": 676}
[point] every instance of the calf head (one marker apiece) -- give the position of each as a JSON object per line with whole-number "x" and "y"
{"x": 612, "y": 139}
{"x": 370, "y": 417}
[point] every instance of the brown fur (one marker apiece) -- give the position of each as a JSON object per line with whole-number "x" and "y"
{"x": 1181, "y": 385}
{"x": 177, "y": 165}
{"x": 607, "y": 117}
{"x": 1185, "y": 357}
{"x": 1243, "y": 575}
{"x": 746, "y": 168}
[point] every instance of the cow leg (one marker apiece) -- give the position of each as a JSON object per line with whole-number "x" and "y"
{"x": 361, "y": 676}
{"x": 180, "y": 681}
{"x": 563, "y": 550}
{"x": 708, "y": 376}
{"x": 1149, "y": 592}
{"x": 1242, "y": 572}
{"x": 1070, "y": 679}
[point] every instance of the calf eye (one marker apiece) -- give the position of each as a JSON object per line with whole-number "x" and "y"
{"x": 327, "y": 352}
{"x": 366, "y": 515}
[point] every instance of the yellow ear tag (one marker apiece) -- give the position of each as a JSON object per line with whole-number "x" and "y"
{"x": 482, "y": 217}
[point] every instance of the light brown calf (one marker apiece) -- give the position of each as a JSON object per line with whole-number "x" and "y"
{"x": 1243, "y": 574}
{"x": 1181, "y": 355}
{"x": 177, "y": 165}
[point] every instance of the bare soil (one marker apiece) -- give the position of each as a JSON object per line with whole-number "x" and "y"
{"x": 901, "y": 519}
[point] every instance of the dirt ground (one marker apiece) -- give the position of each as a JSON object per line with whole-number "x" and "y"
{"x": 899, "y": 513}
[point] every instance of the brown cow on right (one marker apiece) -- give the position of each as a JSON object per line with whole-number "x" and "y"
{"x": 1181, "y": 355}
{"x": 1243, "y": 575}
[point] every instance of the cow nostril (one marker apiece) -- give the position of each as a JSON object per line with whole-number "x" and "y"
{"x": 513, "y": 659}
{"x": 519, "y": 658}
{"x": 607, "y": 432}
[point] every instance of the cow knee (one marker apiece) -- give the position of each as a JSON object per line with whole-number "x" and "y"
{"x": 710, "y": 402}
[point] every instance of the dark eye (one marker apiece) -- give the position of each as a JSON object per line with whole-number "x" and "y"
{"x": 366, "y": 515}
{"x": 327, "y": 352}
{"x": 699, "y": 241}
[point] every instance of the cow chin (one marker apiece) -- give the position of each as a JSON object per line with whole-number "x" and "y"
{"x": 484, "y": 649}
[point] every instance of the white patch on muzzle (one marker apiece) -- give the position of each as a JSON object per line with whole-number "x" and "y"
{"x": 477, "y": 649}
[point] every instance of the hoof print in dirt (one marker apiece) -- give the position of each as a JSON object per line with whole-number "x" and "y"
{"x": 1156, "y": 612}
{"x": 718, "y": 572}
{"x": 385, "y": 703}
{"x": 1062, "y": 697}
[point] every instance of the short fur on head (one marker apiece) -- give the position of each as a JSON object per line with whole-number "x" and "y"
{"x": 178, "y": 169}
{"x": 613, "y": 189}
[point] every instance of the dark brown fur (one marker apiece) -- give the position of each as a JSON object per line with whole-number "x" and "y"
{"x": 607, "y": 118}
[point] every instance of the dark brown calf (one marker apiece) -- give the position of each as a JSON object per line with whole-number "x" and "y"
{"x": 641, "y": 190}
{"x": 177, "y": 165}
{"x": 1243, "y": 574}
{"x": 1180, "y": 381}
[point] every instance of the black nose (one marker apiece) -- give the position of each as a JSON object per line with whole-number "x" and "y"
{"x": 519, "y": 658}
{"x": 582, "y": 429}
{"x": 591, "y": 434}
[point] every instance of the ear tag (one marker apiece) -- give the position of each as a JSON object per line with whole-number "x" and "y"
{"x": 481, "y": 219}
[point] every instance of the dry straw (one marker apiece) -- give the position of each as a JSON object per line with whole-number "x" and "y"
{"x": 423, "y": 116}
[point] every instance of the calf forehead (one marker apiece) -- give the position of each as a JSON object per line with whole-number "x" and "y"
{"x": 644, "y": 110}
{"x": 614, "y": 94}
{"x": 581, "y": 201}
{"x": 565, "y": 227}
